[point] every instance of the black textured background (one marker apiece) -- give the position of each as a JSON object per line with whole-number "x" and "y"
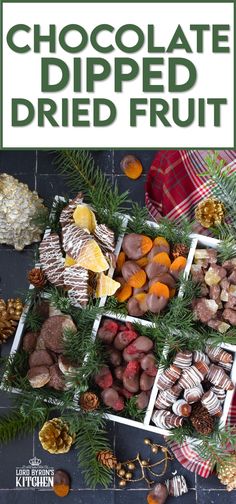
{"x": 36, "y": 169}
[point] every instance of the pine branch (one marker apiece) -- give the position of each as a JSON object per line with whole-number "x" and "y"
{"x": 90, "y": 439}
{"x": 82, "y": 175}
{"x": 131, "y": 410}
{"x": 22, "y": 420}
{"x": 173, "y": 232}
{"x": 222, "y": 179}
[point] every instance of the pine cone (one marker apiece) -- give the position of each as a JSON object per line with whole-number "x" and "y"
{"x": 10, "y": 313}
{"x": 180, "y": 249}
{"x": 201, "y": 420}
{"x": 89, "y": 401}
{"x": 210, "y": 212}
{"x": 227, "y": 473}
{"x": 37, "y": 278}
{"x": 107, "y": 458}
{"x": 55, "y": 437}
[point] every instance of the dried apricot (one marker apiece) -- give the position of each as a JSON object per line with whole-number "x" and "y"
{"x": 162, "y": 258}
{"x": 131, "y": 166}
{"x": 160, "y": 290}
{"x": 124, "y": 293}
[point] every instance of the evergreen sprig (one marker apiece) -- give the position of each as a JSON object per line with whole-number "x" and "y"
{"x": 222, "y": 180}
{"x": 131, "y": 410}
{"x": 23, "y": 419}
{"x": 174, "y": 233}
{"x": 91, "y": 438}
{"x": 82, "y": 174}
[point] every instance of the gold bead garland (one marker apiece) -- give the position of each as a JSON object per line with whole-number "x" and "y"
{"x": 124, "y": 470}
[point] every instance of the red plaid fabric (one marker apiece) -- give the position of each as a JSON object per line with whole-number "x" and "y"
{"x": 173, "y": 186}
{"x": 173, "y": 189}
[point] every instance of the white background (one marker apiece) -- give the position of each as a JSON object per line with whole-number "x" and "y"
{"x": 22, "y": 79}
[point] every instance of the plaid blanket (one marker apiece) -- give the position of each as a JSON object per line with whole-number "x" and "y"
{"x": 173, "y": 189}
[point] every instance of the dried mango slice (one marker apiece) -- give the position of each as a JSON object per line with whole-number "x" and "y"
{"x": 85, "y": 218}
{"x": 92, "y": 258}
{"x": 69, "y": 261}
{"x": 106, "y": 286}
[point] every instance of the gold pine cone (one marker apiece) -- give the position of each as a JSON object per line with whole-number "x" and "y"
{"x": 37, "y": 278}
{"x": 107, "y": 458}
{"x": 10, "y": 313}
{"x": 89, "y": 401}
{"x": 210, "y": 212}
{"x": 227, "y": 473}
{"x": 55, "y": 436}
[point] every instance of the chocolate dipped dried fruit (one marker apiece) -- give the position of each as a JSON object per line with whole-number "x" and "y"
{"x": 133, "y": 274}
{"x": 136, "y": 246}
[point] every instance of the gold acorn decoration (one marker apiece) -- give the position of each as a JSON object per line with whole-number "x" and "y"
{"x": 37, "y": 278}
{"x": 89, "y": 401}
{"x": 227, "y": 473}
{"x": 210, "y": 212}
{"x": 10, "y": 313}
{"x": 55, "y": 436}
{"x": 107, "y": 458}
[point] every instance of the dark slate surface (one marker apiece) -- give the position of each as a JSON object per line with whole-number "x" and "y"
{"x": 37, "y": 169}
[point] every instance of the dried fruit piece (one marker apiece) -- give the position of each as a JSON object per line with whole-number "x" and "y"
{"x": 108, "y": 330}
{"x": 120, "y": 261}
{"x": 133, "y": 274}
{"x": 61, "y": 483}
{"x": 124, "y": 293}
{"x": 112, "y": 399}
{"x": 156, "y": 304}
{"x": 160, "y": 290}
{"x": 69, "y": 261}
{"x": 142, "y": 262}
{"x": 162, "y": 258}
{"x": 84, "y": 217}
{"x": 142, "y": 299}
{"x": 104, "y": 378}
{"x": 162, "y": 243}
{"x": 154, "y": 269}
{"x": 136, "y": 246}
{"x": 131, "y": 166}
{"x": 92, "y": 258}
{"x": 177, "y": 266}
{"x": 134, "y": 308}
{"x": 106, "y": 286}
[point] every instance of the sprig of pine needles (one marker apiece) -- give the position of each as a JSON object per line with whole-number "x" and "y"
{"x": 91, "y": 438}
{"x": 172, "y": 232}
{"x": 79, "y": 168}
{"x": 222, "y": 180}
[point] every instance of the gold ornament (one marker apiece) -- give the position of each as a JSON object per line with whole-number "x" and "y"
{"x": 227, "y": 473}
{"x": 107, "y": 458}
{"x": 10, "y": 313}
{"x": 122, "y": 483}
{"x": 210, "y": 212}
{"x": 144, "y": 466}
{"x": 18, "y": 207}
{"x": 89, "y": 401}
{"x": 55, "y": 436}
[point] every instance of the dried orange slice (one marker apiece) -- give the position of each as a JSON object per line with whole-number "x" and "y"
{"x": 85, "y": 218}
{"x": 69, "y": 261}
{"x": 92, "y": 258}
{"x": 106, "y": 286}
